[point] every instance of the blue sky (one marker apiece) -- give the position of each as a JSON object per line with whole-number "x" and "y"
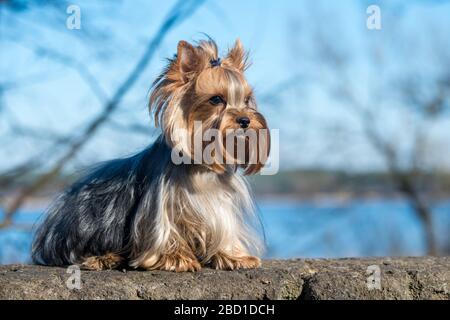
{"x": 315, "y": 130}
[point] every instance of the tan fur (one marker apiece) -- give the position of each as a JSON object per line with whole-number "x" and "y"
{"x": 182, "y": 91}
{"x": 203, "y": 210}
{"x": 106, "y": 262}
{"x": 225, "y": 261}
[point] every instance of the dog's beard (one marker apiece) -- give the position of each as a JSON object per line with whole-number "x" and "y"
{"x": 218, "y": 142}
{"x": 246, "y": 148}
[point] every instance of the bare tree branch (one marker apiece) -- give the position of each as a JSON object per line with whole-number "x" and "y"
{"x": 181, "y": 11}
{"x": 428, "y": 101}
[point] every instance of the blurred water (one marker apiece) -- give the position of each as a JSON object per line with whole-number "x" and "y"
{"x": 307, "y": 229}
{"x": 351, "y": 229}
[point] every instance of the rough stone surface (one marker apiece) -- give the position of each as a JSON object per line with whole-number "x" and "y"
{"x": 401, "y": 278}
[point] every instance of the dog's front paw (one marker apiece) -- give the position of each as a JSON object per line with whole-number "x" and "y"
{"x": 107, "y": 262}
{"x": 224, "y": 261}
{"x": 173, "y": 262}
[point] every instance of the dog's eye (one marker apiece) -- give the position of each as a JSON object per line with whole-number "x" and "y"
{"x": 247, "y": 100}
{"x": 215, "y": 100}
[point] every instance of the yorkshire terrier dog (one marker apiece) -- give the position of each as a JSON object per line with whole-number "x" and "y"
{"x": 151, "y": 212}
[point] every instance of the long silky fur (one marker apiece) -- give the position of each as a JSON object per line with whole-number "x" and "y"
{"x": 131, "y": 206}
{"x": 144, "y": 206}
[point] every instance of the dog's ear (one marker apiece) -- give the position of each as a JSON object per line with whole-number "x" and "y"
{"x": 188, "y": 60}
{"x": 237, "y": 56}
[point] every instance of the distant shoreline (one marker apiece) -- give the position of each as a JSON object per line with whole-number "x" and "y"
{"x": 42, "y": 202}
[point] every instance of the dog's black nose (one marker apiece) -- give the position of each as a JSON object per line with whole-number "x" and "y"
{"x": 243, "y": 121}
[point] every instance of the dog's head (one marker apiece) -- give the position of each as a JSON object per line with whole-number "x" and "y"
{"x": 201, "y": 96}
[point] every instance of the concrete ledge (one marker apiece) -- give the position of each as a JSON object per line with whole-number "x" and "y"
{"x": 401, "y": 278}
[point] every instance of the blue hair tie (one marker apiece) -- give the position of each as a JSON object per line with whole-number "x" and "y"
{"x": 215, "y": 62}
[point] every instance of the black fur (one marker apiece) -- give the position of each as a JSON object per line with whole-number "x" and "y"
{"x": 97, "y": 214}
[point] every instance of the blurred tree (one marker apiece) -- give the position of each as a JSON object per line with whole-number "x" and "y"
{"x": 398, "y": 93}
{"x": 73, "y": 143}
